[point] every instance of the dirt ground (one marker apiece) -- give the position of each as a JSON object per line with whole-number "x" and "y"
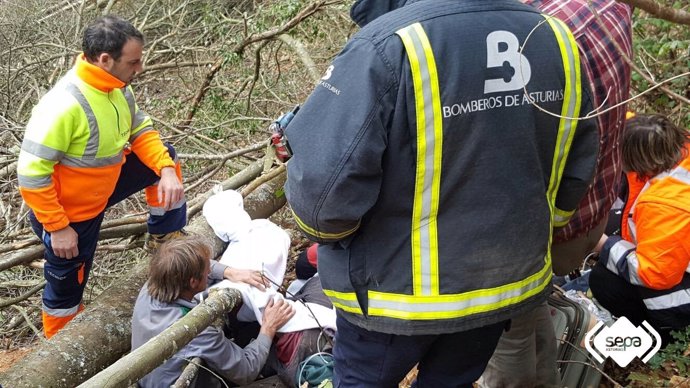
{"x": 9, "y": 357}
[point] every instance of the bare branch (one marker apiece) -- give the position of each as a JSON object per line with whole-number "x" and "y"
{"x": 25, "y": 296}
{"x": 654, "y": 8}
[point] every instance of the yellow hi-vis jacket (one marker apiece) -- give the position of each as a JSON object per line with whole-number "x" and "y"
{"x": 433, "y": 181}
{"x": 75, "y": 142}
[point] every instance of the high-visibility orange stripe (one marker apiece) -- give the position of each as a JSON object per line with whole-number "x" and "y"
{"x": 80, "y": 274}
{"x": 51, "y": 324}
{"x": 97, "y": 77}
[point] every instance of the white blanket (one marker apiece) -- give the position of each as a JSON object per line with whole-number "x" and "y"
{"x": 263, "y": 246}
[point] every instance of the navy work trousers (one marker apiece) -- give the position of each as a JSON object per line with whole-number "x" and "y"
{"x": 66, "y": 279}
{"x": 371, "y": 359}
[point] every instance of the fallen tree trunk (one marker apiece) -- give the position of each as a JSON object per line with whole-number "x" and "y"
{"x": 101, "y": 334}
{"x": 130, "y": 368}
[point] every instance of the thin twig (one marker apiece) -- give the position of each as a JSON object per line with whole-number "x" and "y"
{"x": 27, "y": 295}
{"x": 28, "y": 322}
{"x": 253, "y": 147}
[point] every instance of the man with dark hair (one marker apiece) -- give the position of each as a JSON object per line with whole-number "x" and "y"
{"x": 108, "y": 34}
{"x": 178, "y": 271}
{"x": 429, "y": 140}
{"x": 75, "y": 162}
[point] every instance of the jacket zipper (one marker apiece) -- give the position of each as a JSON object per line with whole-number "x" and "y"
{"x": 117, "y": 113}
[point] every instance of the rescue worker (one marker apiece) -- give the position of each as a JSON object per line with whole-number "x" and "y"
{"x": 645, "y": 276}
{"x": 438, "y": 181}
{"x": 178, "y": 272}
{"x": 75, "y": 162}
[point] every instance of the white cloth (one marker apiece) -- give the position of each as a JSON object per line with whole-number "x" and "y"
{"x": 224, "y": 212}
{"x": 262, "y": 246}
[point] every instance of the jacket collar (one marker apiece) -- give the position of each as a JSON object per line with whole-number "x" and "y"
{"x": 95, "y": 76}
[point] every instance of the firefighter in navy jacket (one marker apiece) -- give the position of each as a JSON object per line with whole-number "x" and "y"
{"x": 432, "y": 180}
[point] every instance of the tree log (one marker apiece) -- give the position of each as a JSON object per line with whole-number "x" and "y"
{"x": 130, "y": 368}
{"x": 101, "y": 334}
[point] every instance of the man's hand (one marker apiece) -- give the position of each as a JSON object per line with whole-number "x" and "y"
{"x": 275, "y": 316}
{"x": 170, "y": 190}
{"x": 64, "y": 242}
{"x": 253, "y": 278}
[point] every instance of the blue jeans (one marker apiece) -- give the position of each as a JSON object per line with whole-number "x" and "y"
{"x": 371, "y": 359}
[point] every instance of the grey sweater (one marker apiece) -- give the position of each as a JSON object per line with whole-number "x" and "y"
{"x": 223, "y": 356}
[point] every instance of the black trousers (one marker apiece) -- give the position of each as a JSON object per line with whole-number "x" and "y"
{"x": 623, "y": 299}
{"x": 368, "y": 359}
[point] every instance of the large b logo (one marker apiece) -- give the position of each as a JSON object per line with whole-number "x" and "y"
{"x": 502, "y": 51}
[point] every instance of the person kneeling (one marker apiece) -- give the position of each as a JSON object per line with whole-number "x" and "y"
{"x": 645, "y": 277}
{"x": 179, "y": 271}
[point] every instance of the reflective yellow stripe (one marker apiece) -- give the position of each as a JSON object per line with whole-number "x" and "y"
{"x": 429, "y": 156}
{"x": 561, "y": 217}
{"x": 323, "y": 235}
{"x": 344, "y": 300}
{"x": 570, "y": 109}
{"x": 429, "y": 307}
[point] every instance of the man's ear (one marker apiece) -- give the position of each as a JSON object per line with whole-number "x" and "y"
{"x": 104, "y": 61}
{"x": 194, "y": 283}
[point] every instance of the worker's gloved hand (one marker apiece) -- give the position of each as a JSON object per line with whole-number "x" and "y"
{"x": 278, "y": 139}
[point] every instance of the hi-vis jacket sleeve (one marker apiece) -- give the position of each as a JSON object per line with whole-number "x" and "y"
{"x": 581, "y": 161}
{"x": 338, "y": 138}
{"x": 46, "y": 140}
{"x": 146, "y": 142}
{"x": 662, "y": 254}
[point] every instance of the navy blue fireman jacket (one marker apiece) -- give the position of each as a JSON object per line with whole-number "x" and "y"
{"x": 434, "y": 158}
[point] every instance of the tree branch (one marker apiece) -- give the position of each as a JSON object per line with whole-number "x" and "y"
{"x": 654, "y": 8}
{"x": 140, "y": 362}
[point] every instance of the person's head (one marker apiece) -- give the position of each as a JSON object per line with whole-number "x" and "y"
{"x": 652, "y": 144}
{"x": 114, "y": 45}
{"x": 179, "y": 269}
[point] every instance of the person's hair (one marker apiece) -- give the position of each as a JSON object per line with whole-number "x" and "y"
{"x": 175, "y": 263}
{"x": 108, "y": 34}
{"x": 652, "y": 144}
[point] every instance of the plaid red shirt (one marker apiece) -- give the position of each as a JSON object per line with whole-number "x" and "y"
{"x": 609, "y": 77}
